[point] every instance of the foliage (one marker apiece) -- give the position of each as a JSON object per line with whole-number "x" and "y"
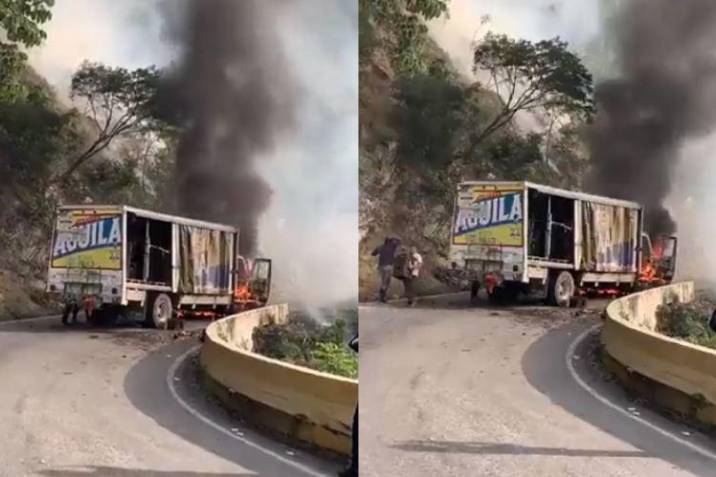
{"x": 335, "y": 359}
{"x": 12, "y": 63}
{"x": 21, "y": 19}
{"x": 305, "y": 342}
{"x": 402, "y": 30}
{"x": 118, "y": 103}
{"x": 20, "y": 22}
{"x": 535, "y": 77}
{"x": 430, "y": 114}
{"x": 687, "y": 321}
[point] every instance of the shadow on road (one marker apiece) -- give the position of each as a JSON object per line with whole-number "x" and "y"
{"x": 108, "y": 471}
{"x": 481, "y": 448}
{"x": 545, "y": 367}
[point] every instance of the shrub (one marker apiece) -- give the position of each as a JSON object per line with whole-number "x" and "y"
{"x": 335, "y": 359}
{"x": 305, "y": 342}
{"x": 687, "y": 321}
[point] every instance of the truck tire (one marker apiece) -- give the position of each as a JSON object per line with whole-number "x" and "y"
{"x": 159, "y": 311}
{"x": 561, "y": 289}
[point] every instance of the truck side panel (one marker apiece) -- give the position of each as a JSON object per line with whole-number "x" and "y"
{"x": 610, "y": 237}
{"x": 205, "y": 260}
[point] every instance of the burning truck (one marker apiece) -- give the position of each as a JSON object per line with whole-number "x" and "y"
{"x": 518, "y": 237}
{"x": 110, "y": 259}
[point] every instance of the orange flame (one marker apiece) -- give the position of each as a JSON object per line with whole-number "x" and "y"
{"x": 649, "y": 272}
{"x": 242, "y": 293}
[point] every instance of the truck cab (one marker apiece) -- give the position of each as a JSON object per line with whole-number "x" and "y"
{"x": 252, "y": 283}
{"x": 658, "y": 260}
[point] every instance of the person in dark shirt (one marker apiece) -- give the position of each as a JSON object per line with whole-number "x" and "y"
{"x": 386, "y": 256}
{"x": 352, "y": 469}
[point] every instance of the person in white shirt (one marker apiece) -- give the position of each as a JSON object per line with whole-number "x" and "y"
{"x": 415, "y": 263}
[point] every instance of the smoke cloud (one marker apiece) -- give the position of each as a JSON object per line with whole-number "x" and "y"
{"x": 235, "y": 94}
{"x": 665, "y": 96}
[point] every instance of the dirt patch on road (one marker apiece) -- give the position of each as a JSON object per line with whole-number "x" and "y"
{"x": 147, "y": 340}
{"x": 550, "y": 317}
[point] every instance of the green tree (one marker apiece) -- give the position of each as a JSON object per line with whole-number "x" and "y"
{"x": 117, "y": 102}
{"x": 20, "y": 22}
{"x": 402, "y": 30}
{"x": 542, "y": 77}
{"x": 430, "y": 115}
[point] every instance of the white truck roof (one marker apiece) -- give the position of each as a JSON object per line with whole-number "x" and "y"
{"x": 598, "y": 199}
{"x": 154, "y": 215}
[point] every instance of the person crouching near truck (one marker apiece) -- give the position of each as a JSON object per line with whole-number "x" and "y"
{"x": 408, "y": 264}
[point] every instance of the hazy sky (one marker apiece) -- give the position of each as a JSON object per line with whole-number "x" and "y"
{"x": 311, "y": 229}
{"x": 575, "y": 21}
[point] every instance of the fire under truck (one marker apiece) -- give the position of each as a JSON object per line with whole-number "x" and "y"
{"x": 519, "y": 237}
{"x": 111, "y": 260}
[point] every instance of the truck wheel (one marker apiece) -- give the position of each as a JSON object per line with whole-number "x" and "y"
{"x": 561, "y": 289}
{"x": 159, "y": 311}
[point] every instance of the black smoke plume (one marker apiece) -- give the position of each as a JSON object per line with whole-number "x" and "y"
{"x": 666, "y": 95}
{"x": 233, "y": 95}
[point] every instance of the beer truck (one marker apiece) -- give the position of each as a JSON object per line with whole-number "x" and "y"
{"x": 516, "y": 237}
{"x": 108, "y": 259}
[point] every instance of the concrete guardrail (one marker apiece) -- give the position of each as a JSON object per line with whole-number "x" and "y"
{"x": 678, "y": 375}
{"x": 299, "y": 403}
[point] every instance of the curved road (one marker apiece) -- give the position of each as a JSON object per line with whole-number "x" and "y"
{"x": 459, "y": 391}
{"x": 79, "y": 402}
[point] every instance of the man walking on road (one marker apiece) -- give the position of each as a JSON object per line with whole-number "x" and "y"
{"x": 386, "y": 257}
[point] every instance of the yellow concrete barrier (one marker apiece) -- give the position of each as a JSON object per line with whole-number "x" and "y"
{"x": 680, "y": 375}
{"x": 311, "y": 406}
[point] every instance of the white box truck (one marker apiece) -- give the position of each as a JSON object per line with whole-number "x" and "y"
{"x": 108, "y": 258}
{"x": 514, "y": 237}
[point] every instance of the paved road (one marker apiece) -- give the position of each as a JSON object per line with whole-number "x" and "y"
{"x": 449, "y": 390}
{"x": 77, "y": 402}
